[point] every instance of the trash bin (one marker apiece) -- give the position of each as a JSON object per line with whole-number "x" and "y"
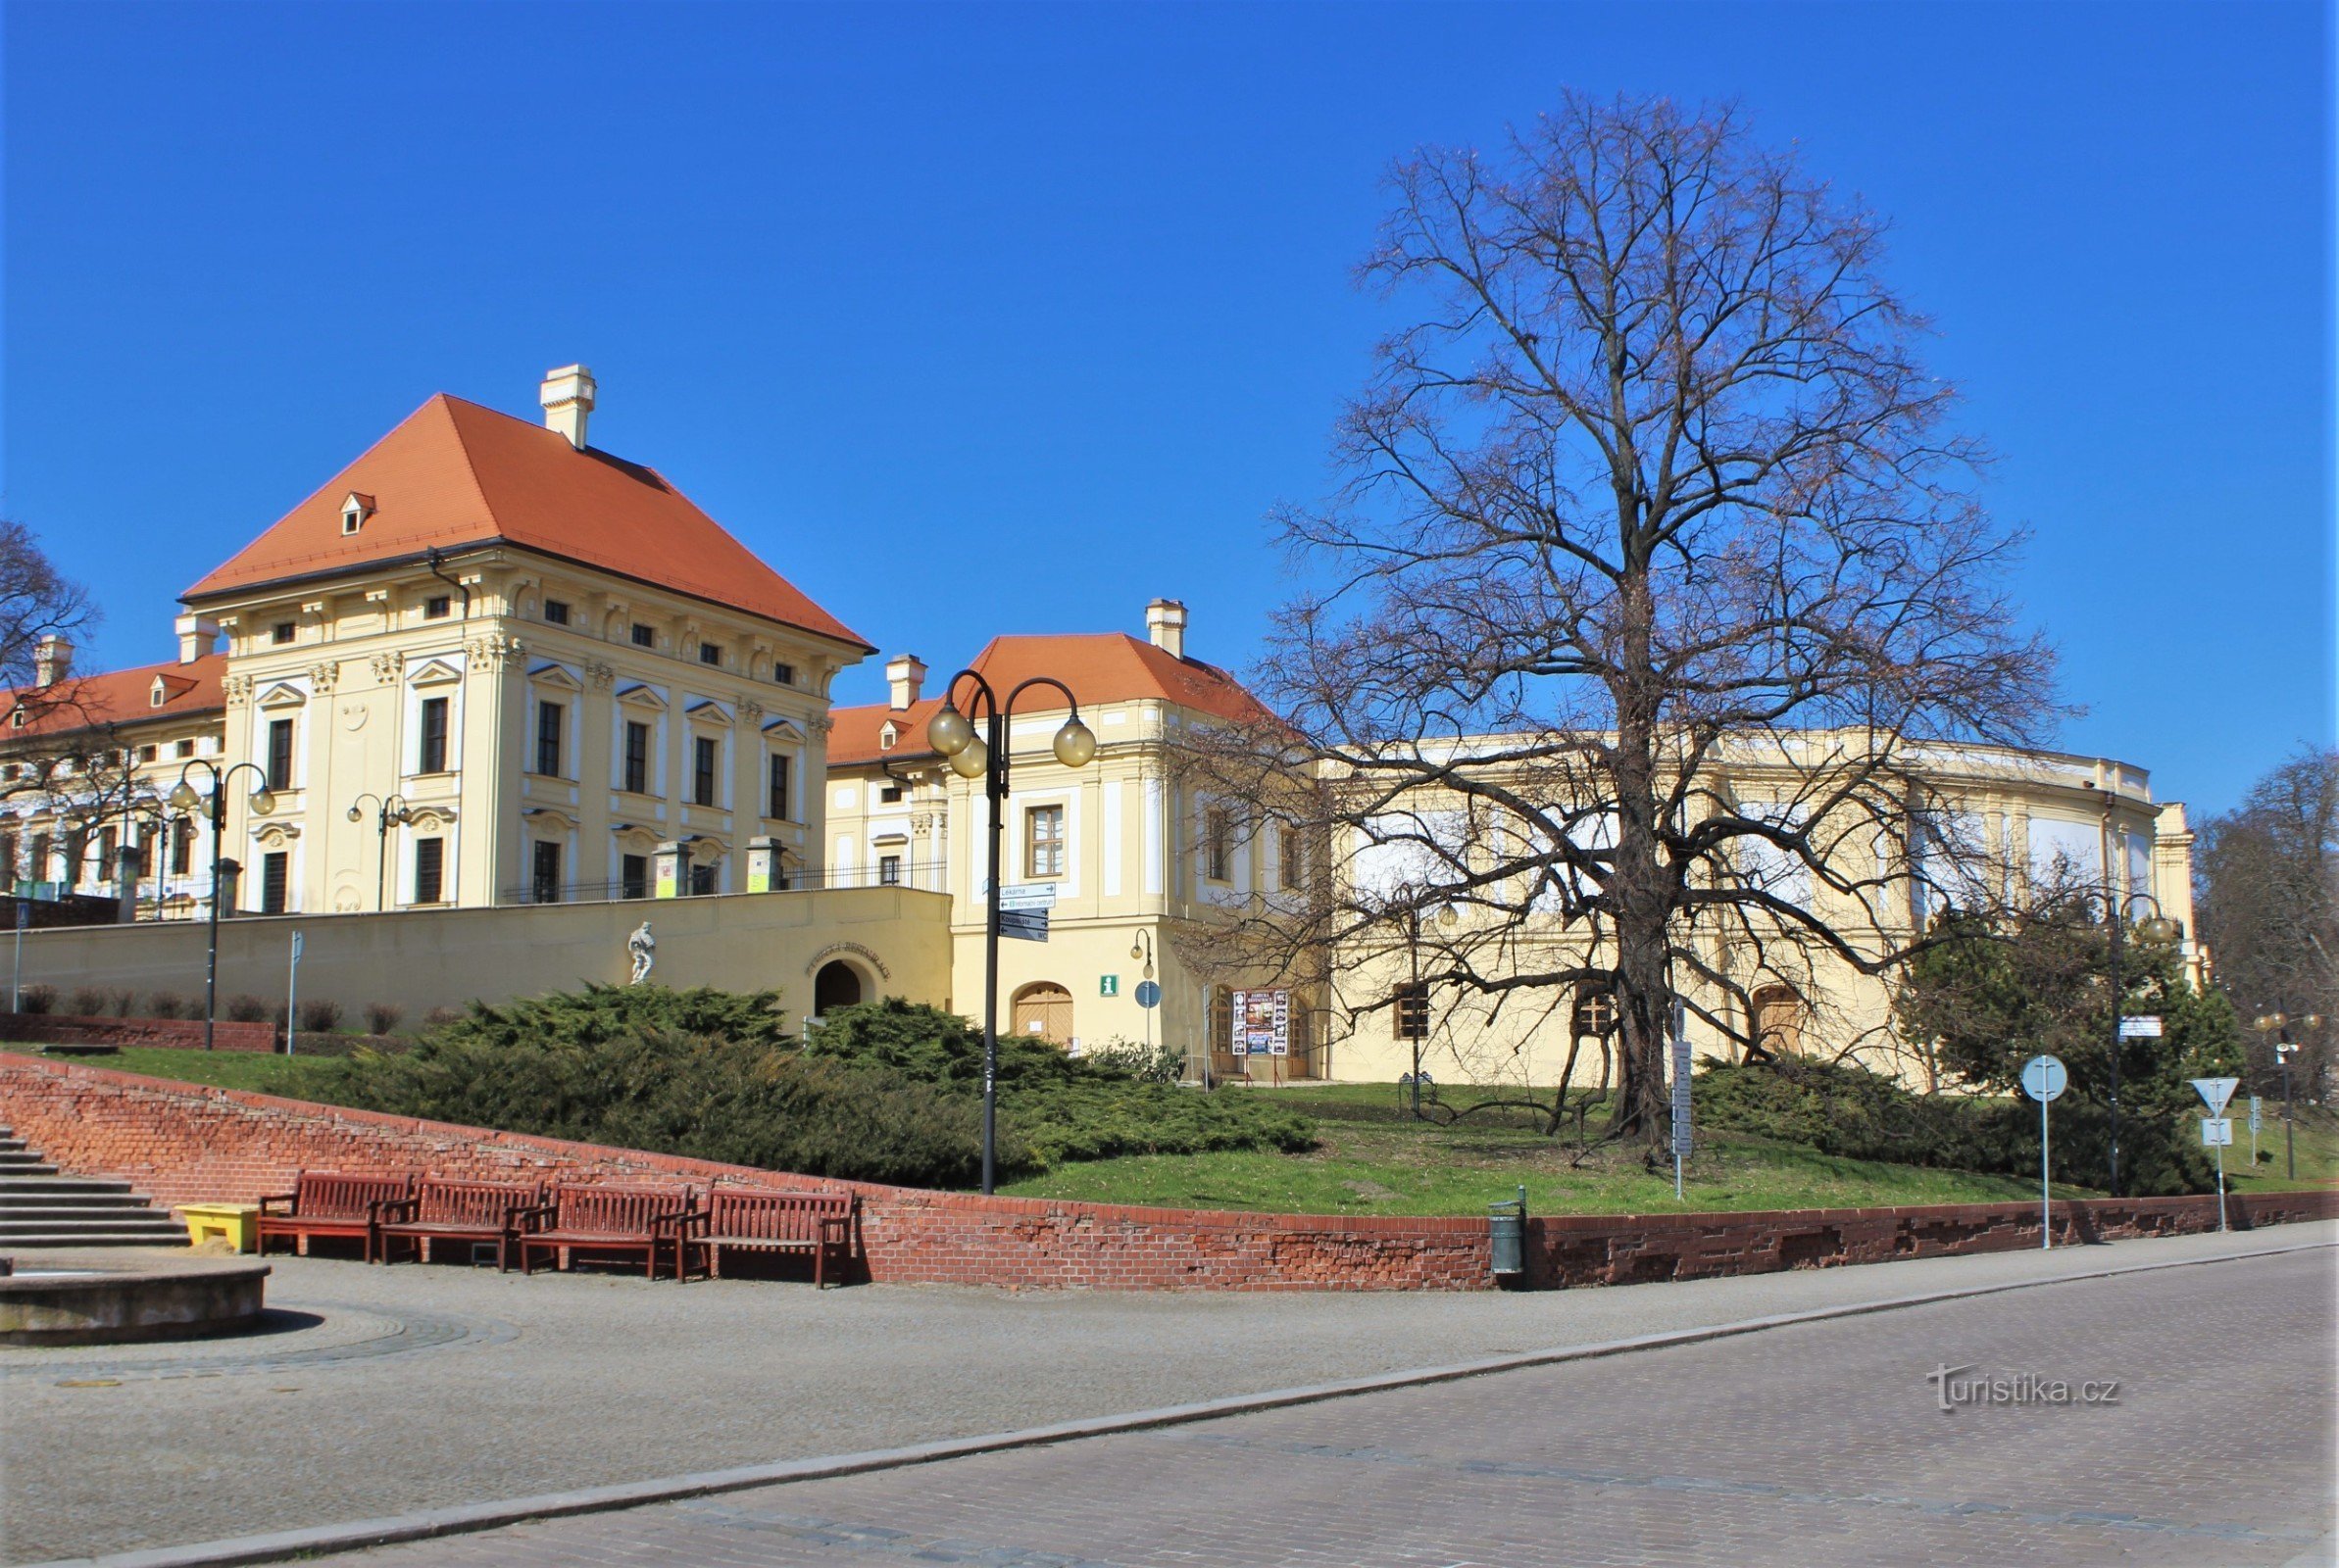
{"x": 1506, "y": 1231}
{"x": 237, "y": 1223}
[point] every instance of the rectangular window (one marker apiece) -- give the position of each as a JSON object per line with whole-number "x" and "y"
{"x": 147, "y": 753}
{"x": 548, "y": 739}
{"x": 432, "y": 757}
{"x": 637, "y": 758}
{"x": 785, "y": 674}
{"x": 889, "y": 795}
{"x": 8, "y": 859}
{"x": 889, "y": 870}
{"x": 430, "y": 870}
{"x": 437, "y": 606}
{"x": 184, "y": 749}
{"x": 1043, "y": 841}
{"x": 40, "y": 857}
{"x": 633, "y": 876}
{"x": 544, "y": 881}
{"x": 1218, "y": 846}
{"x": 145, "y": 854}
{"x": 556, "y": 613}
{"x": 704, "y": 880}
{"x": 276, "y": 882}
{"x": 776, "y": 795}
{"x": 1290, "y": 858}
{"x": 282, "y": 632}
{"x": 710, "y": 652}
{"x": 279, "y": 754}
{"x": 644, "y": 635}
{"x": 702, "y": 770}
{"x": 1410, "y": 1014}
{"x": 182, "y": 847}
{"x": 108, "y": 852}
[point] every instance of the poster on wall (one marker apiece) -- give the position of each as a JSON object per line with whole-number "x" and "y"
{"x": 1261, "y": 1024}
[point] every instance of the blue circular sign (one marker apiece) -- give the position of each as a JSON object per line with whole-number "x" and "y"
{"x": 2043, "y": 1078}
{"x": 1149, "y": 995}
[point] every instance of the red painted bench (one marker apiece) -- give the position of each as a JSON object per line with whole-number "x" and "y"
{"x": 482, "y": 1214}
{"x": 604, "y": 1219}
{"x": 818, "y": 1223}
{"x": 329, "y": 1203}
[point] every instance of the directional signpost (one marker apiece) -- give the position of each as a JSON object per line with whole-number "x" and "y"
{"x": 1023, "y": 910}
{"x": 292, "y": 987}
{"x": 1681, "y": 1105}
{"x": 2043, "y": 1078}
{"x": 2217, "y": 1131}
{"x": 2256, "y": 1117}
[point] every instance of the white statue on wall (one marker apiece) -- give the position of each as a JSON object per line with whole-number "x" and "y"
{"x": 643, "y": 949}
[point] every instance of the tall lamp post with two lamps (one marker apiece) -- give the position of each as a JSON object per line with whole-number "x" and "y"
{"x": 986, "y": 756}
{"x": 184, "y": 800}
{"x": 388, "y": 812}
{"x": 2156, "y": 927}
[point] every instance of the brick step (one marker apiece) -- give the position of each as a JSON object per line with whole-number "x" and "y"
{"x": 98, "y": 1238}
{"x": 29, "y": 1172}
{"x": 26, "y": 1162}
{"x": 11, "y": 1143}
{"x": 119, "y": 1215}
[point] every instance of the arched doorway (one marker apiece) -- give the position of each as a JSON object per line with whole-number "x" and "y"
{"x": 837, "y": 985}
{"x": 1043, "y": 1009}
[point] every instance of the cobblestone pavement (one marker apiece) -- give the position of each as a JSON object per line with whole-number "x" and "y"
{"x": 1815, "y": 1444}
{"x": 385, "y": 1391}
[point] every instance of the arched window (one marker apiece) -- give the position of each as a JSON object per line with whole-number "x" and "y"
{"x": 1043, "y": 1009}
{"x": 837, "y": 985}
{"x": 1778, "y": 1020}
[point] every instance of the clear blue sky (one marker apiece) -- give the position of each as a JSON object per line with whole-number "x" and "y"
{"x": 975, "y": 320}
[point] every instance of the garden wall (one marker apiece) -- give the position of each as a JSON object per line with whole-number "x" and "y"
{"x": 183, "y": 1143}
{"x": 169, "y": 1034}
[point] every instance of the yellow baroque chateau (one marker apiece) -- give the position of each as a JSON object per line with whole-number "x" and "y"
{"x": 492, "y": 702}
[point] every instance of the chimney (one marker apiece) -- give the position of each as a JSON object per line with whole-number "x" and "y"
{"x": 567, "y": 397}
{"x": 198, "y": 636}
{"x": 52, "y": 660}
{"x": 1166, "y": 626}
{"x": 904, "y": 675}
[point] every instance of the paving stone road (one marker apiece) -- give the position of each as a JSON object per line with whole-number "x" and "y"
{"x": 1815, "y": 1444}
{"x": 387, "y": 1390}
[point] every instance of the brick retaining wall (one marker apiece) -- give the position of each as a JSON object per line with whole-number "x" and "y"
{"x": 169, "y": 1034}
{"x": 184, "y": 1143}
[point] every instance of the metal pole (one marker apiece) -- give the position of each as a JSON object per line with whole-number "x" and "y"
{"x": 1414, "y": 999}
{"x": 210, "y": 961}
{"x": 292, "y": 988}
{"x": 2117, "y": 908}
{"x": 994, "y": 786}
{"x": 2290, "y": 1148}
{"x": 2046, "y": 1218}
{"x": 2221, "y": 1178}
{"x": 382, "y": 859}
{"x": 16, "y": 986}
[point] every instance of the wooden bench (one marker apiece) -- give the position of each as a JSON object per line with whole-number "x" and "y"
{"x": 327, "y": 1204}
{"x": 818, "y": 1223}
{"x": 605, "y": 1219}
{"x": 481, "y": 1214}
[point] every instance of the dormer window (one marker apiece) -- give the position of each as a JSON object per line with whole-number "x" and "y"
{"x": 887, "y": 736}
{"x": 158, "y": 693}
{"x": 354, "y": 510}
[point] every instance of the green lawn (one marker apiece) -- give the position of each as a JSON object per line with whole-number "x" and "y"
{"x": 1376, "y": 1162}
{"x": 2318, "y": 1149}
{"x": 297, "y": 1077}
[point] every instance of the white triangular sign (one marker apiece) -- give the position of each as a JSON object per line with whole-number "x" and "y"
{"x": 2215, "y": 1092}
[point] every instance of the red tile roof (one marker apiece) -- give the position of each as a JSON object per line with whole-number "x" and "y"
{"x": 1099, "y": 667}
{"x": 117, "y": 696}
{"x": 453, "y": 474}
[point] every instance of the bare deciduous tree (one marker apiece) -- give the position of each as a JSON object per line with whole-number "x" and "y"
{"x": 2268, "y": 907}
{"x": 1652, "y": 500}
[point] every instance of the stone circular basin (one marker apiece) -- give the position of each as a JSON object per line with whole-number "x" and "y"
{"x": 81, "y": 1301}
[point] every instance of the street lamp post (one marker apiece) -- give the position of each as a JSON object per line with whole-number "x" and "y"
{"x": 2156, "y": 927}
{"x": 1415, "y": 996}
{"x": 986, "y": 756}
{"x": 386, "y": 811}
{"x": 1141, "y": 950}
{"x": 2277, "y": 1024}
{"x": 184, "y": 799}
